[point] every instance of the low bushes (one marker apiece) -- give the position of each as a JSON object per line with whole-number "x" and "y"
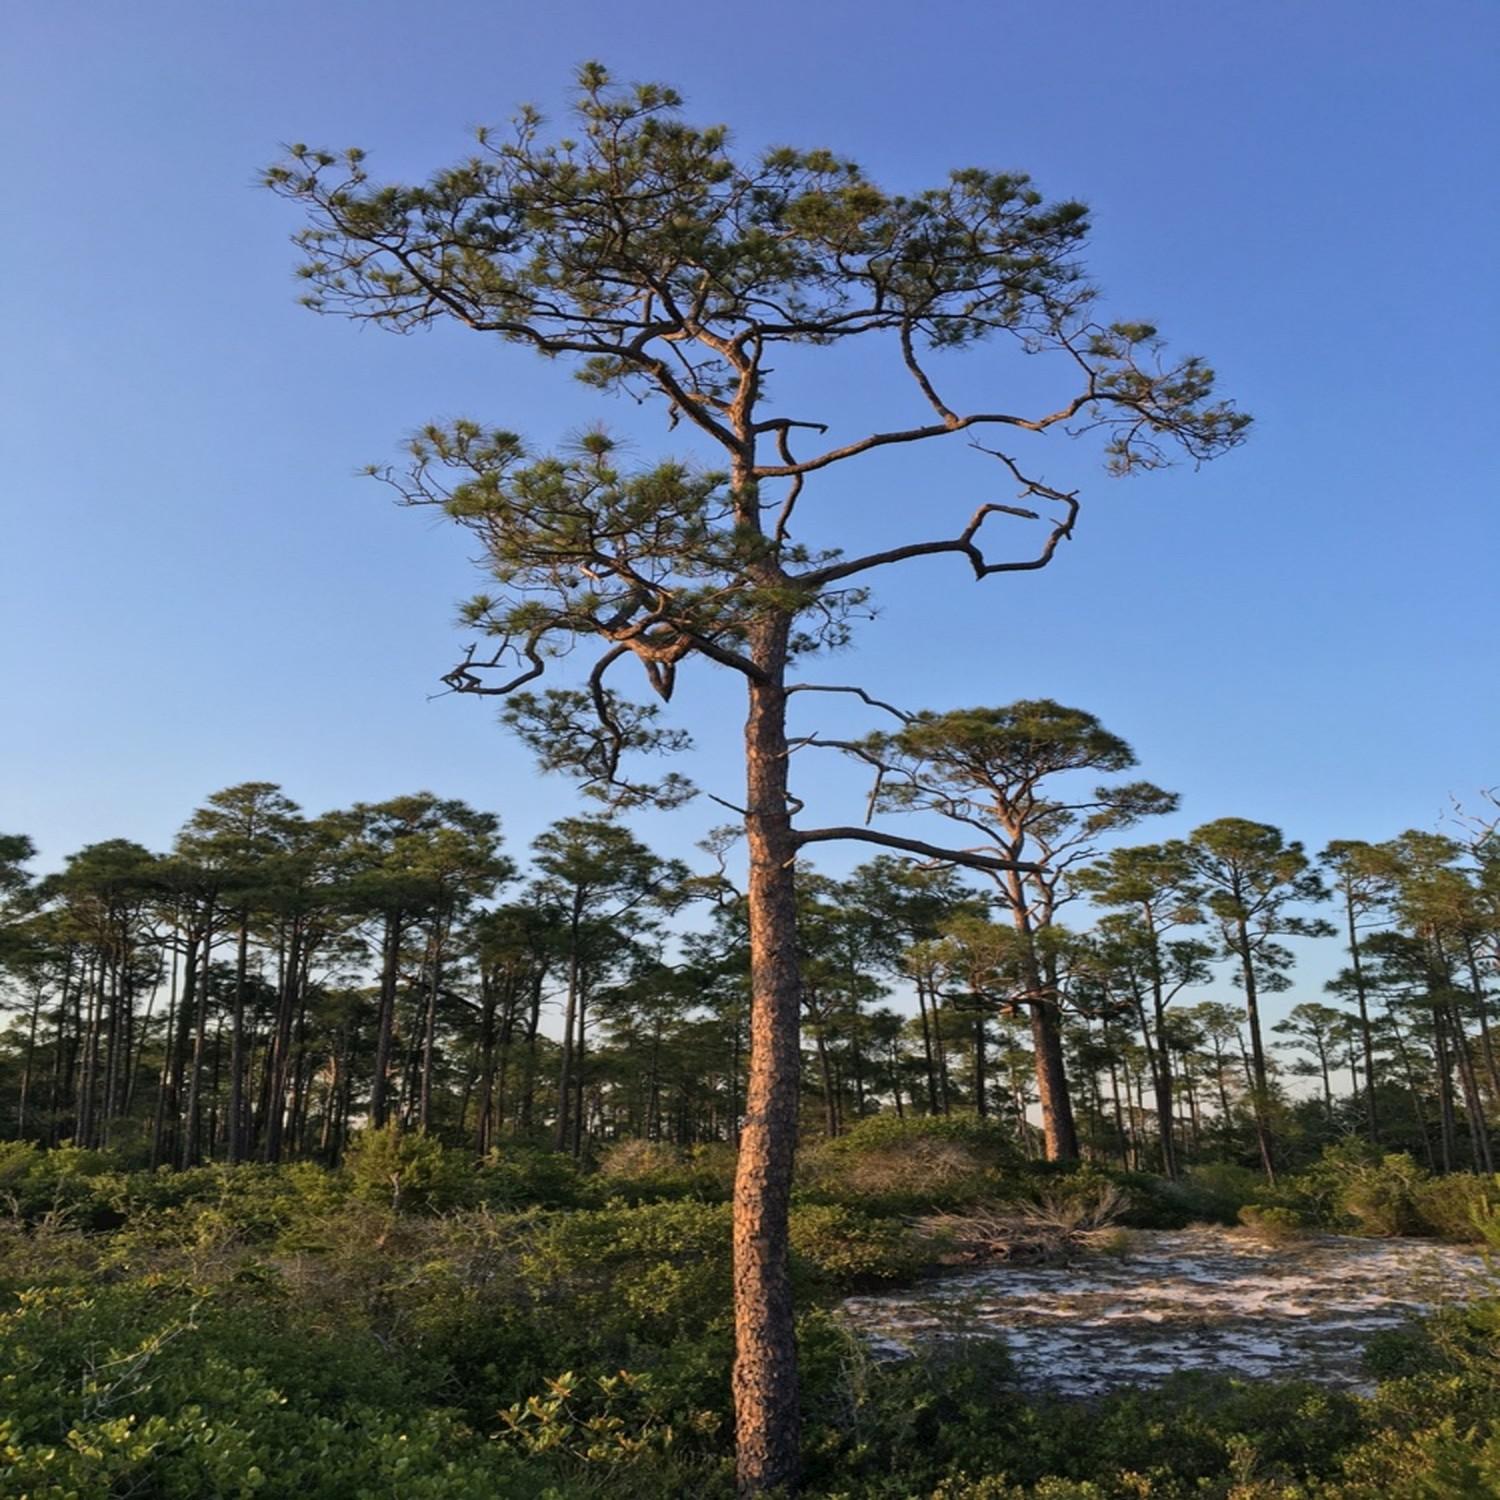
{"x": 653, "y": 1171}
{"x": 1354, "y": 1188}
{"x": 893, "y": 1165}
{"x": 422, "y": 1326}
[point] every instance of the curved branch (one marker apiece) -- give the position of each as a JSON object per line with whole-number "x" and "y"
{"x": 963, "y": 543}
{"x": 928, "y": 430}
{"x": 971, "y": 858}
{"x": 858, "y": 692}
{"x": 464, "y": 679}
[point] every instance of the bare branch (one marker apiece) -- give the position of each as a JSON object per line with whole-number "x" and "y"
{"x": 858, "y": 692}
{"x": 465, "y": 678}
{"x": 970, "y": 858}
{"x": 928, "y": 430}
{"x": 963, "y": 543}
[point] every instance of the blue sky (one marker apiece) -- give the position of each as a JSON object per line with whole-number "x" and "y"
{"x": 198, "y": 589}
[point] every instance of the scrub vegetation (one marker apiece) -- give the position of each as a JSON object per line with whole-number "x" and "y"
{"x": 347, "y": 1154}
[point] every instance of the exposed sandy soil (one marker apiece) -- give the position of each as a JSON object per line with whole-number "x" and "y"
{"x": 1196, "y": 1299}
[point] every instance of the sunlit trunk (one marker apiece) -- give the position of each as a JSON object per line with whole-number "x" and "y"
{"x": 767, "y": 1411}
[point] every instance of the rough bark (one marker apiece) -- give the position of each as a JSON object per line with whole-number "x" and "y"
{"x": 767, "y": 1412}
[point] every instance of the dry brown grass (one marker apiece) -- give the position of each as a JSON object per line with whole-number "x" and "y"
{"x": 913, "y": 1168}
{"x": 1051, "y": 1227}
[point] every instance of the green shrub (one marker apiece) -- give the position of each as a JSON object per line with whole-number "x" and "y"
{"x": 86, "y": 1187}
{"x": 1455, "y": 1207}
{"x": 988, "y": 1141}
{"x": 1273, "y": 1223}
{"x": 514, "y": 1176}
{"x": 894, "y": 1165}
{"x": 1216, "y": 1191}
{"x": 408, "y": 1172}
{"x": 653, "y": 1171}
{"x": 843, "y": 1248}
{"x": 658, "y": 1271}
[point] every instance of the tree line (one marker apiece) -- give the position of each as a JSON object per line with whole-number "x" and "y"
{"x": 275, "y": 981}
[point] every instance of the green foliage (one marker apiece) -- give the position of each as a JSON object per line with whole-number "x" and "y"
{"x": 1211, "y": 1193}
{"x": 637, "y": 1171}
{"x": 1272, "y": 1222}
{"x": 842, "y": 1247}
{"x": 274, "y": 1332}
{"x": 406, "y": 1171}
{"x": 1354, "y": 1187}
{"x": 891, "y": 1165}
{"x": 609, "y": 1420}
{"x": 514, "y": 1176}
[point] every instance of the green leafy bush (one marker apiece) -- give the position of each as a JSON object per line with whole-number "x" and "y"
{"x": 1457, "y": 1207}
{"x": 515, "y": 1176}
{"x": 653, "y": 1171}
{"x": 894, "y": 1165}
{"x": 1273, "y": 1223}
{"x": 408, "y": 1171}
{"x": 842, "y": 1247}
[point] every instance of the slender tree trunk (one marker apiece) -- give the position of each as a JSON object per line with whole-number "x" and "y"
{"x": 580, "y": 1121}
{"x": 830, "y": 1099}
{"x": 1114, "y": 1091}
{"x": 932, "y": 1088}
{"x": 1479, "y": 1140}
{"x": 1260, "y": 1097}
{"x": 1133, "y": 1160}
{"x": 1366, "y": 1037}
{"x": 1190, "y": 1086}
{"x": 1162, "y": 1081}
{"x": 1220, "y": 1071}
{"x": 278, "y": 1061}
{"x": 191, "y": 1123}
{"x": 36, "y": 1011}
{"x": 1482, "y": 1010}
{"x": 940, "y": 1047}
{"x": 1447, "y": 1121}
{"x": 429, "y": 1027}
{"x": 981, "y": 1103}
{"x": 159, "y": 1124}
{"x": 488, "y": 1002}
{"x": 385, "y": 1022}
{"x": 527, "y": 1110}
{"x": 236, "y": 1133}
{"x": 565, "y": 1067}
{"x": 767, "y": 1408}
{"x": 1413, "y": 1089}
{"x": 1058, "y": 1127}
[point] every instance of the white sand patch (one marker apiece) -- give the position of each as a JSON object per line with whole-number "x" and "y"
{"x": 1195, "y": 1299}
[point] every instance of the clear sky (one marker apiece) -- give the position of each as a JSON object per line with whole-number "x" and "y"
{"x": 198, "y": 590}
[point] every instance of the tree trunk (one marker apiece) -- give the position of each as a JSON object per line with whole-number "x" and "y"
{"x": 1058, "y": 1128}
{"x": 1367, "y": 1040}
{"x": 1259, "y": 1091}
{"x": 932, "y": 1090}
{"x": 36, "y": 1011}
{"x": 429, "y": 1027}
{"x": 1161, "y": 1070}
{"x": 767, "y": 1408}
{"x": 236, "y": 1135}
{"x": 385, "y": 1021}
{"x": 191, "y": 1120}
{"x": 981, "y": 1103}
{"x": 565, "y": 1066}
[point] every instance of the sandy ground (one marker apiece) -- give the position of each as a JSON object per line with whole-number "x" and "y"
{"x": 1196, "y": 1299}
